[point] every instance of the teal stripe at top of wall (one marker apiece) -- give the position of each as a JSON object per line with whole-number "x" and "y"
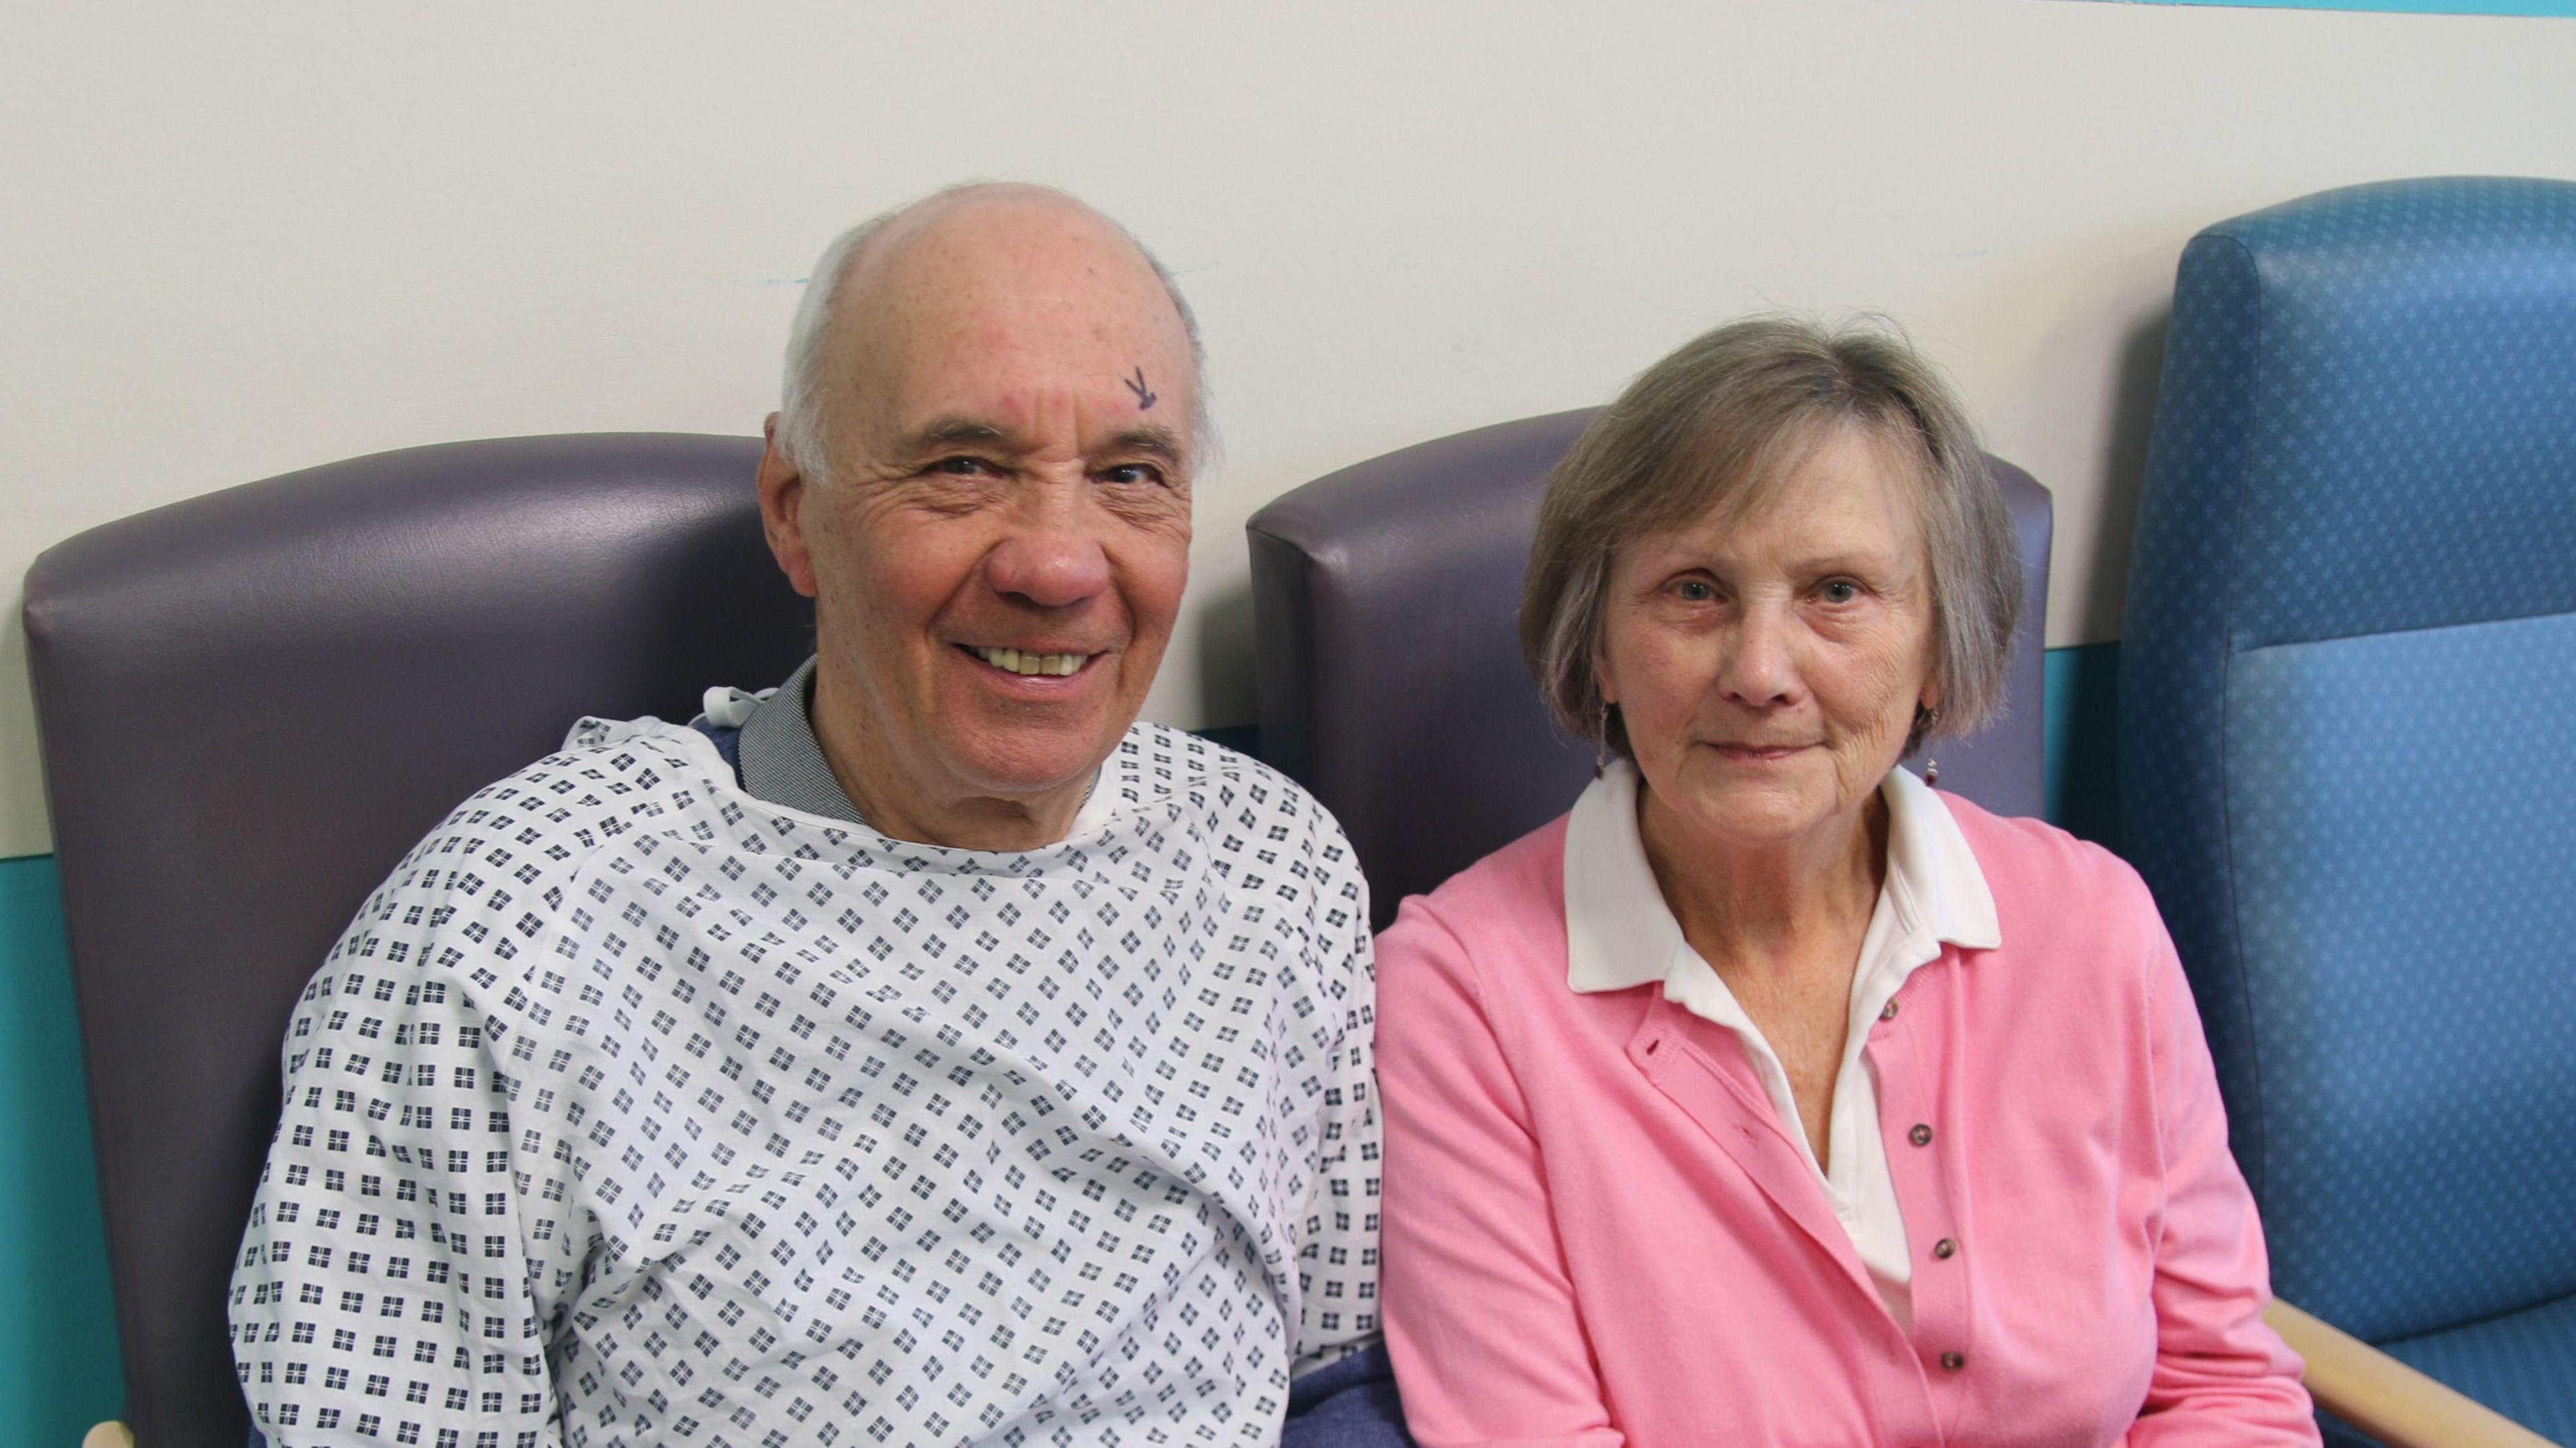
{"x": 58, "y": 1367}
{"x": 2410, "y": 7}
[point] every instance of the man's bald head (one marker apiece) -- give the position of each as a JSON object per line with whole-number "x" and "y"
{"x": 872, "y": 272}
{"x": 983, "y": 481}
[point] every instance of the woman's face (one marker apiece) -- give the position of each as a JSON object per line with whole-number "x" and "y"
{"x": 1768, "y": 672}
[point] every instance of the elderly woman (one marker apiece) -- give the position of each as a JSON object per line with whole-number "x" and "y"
{"x": 1770, "y": 1096}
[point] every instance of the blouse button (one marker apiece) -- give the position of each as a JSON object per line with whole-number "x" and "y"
{"x": 1921, "y": 1135}
{"x": 1951, "y": 1362}
{"x": 1945, "y": 1249}
{"x": 1887, "y": 1012}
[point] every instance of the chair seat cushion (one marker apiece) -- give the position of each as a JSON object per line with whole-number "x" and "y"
{"x": 2523, "y": 1365}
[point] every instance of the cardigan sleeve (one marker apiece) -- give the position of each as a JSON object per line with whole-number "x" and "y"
{"x": 1481, "y": 1320}
{"x": 2222, "y": 1376}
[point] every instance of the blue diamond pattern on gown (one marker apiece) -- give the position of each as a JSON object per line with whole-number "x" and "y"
{"x": 2347, "y": 721}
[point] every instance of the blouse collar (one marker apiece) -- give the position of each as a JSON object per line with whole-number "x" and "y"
{"x": 1619, "y": 932}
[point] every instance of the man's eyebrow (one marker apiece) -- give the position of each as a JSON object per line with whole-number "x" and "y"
{"x": 942, "y": 432}
{"x": 1150, "y": 439}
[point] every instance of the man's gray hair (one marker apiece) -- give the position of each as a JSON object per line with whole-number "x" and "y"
{"x": 1715, "y": 428}
{"x": 801, "y": 424}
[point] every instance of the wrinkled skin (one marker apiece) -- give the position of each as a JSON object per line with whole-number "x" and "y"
{"x": 994, "y": 480}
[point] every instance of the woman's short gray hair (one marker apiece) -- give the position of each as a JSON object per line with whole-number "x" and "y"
{"x": 1715, "y": 428}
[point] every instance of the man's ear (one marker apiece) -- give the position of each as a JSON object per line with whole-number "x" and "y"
{"x": 782, "y": 502}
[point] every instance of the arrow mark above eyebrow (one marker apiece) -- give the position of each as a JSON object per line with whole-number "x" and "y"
{"x": 1145, "y": 397}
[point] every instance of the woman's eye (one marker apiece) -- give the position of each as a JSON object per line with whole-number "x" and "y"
{"x": 1694, "y": 590}
{"x": 1839, "y": 590}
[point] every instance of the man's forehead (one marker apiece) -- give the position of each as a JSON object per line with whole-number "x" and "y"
{"x": 1018, "y": 367}
{"x": 1014, "y": 311}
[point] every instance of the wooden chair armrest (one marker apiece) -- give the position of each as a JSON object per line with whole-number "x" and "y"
{"x": 107, "y": 1435}
{"x": 2384, "y": 1397}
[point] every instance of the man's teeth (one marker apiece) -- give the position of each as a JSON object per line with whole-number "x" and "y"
{"x": 1019, "y": 662}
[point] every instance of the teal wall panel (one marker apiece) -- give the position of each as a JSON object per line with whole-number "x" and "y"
{"x": 2083, "y": 691}
{"x": 58, "y": 1370}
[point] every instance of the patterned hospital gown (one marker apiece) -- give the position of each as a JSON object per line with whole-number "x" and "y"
{"x": 632, "y": 1110}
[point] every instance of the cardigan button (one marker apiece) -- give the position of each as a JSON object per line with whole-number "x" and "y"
{"x": 1945, "y": 1249}
{"x": 1887, "y": 1012}
{"x": 1951, "y": 1362}
{"x": 1921, "y": 1135}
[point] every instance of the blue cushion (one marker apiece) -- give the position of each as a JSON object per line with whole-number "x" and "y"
{"x": 1351, "y": 1403}
{"x": 2522, "y": 1365}
{"x": 2403, "y": 809}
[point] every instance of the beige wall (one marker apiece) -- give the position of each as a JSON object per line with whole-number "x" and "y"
{"x": 249, "y": 237}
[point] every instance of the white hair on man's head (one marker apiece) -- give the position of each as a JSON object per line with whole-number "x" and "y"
{"x": 801, "y": 424}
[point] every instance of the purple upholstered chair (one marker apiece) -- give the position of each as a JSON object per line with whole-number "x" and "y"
{"x": 220, "y": 684}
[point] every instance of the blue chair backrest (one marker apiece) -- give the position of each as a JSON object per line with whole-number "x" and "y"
{"x": 2348, "y": 730}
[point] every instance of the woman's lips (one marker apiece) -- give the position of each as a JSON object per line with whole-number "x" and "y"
{"x": 1761, "y": 753}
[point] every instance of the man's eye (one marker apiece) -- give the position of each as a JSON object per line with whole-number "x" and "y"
{"x": 1694, "y": 590}
{"x": 962, "y": 467}
{"x": 1132, "y": 473}
{"x": 1839, "y": 590}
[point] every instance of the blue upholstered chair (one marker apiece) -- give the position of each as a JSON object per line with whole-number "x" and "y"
{"x": 2348, "y": 753}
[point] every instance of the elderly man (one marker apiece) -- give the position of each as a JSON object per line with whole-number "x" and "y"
{"x": 921, "y": 1052}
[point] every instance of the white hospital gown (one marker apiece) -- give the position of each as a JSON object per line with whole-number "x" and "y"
{"x": 632, "y": 1110}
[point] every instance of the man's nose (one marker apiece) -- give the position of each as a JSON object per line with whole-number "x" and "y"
{"x": 1050, "y": 555}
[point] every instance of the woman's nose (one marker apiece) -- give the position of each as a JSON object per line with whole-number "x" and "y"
{"x": 1758, "y": 670}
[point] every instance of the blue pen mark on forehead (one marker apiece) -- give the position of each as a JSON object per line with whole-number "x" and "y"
{"x": 1145, "y": 396}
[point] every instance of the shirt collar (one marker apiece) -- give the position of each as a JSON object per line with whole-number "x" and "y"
{"x": 783, "y": 761}
{"x": 1619, "y": 932}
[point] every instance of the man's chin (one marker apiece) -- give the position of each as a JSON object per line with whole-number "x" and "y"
{"x": 1032, "y": 763}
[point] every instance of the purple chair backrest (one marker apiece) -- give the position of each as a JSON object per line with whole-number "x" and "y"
{"x": 254, "y": 702}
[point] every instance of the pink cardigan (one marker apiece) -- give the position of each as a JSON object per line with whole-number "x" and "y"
{"x": 1597, "y": 1230}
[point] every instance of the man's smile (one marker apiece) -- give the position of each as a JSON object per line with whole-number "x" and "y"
{"x": 1033, "y": 662}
